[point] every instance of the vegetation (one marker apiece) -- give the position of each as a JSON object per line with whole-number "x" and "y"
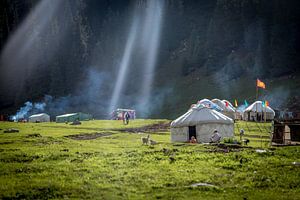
{"x": 39, "y": 162}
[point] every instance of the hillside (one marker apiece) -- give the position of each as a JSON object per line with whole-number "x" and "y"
{"x": 71, "y": 51}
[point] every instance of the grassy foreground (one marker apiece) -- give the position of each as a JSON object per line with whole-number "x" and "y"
{"x": 39, "y": 162}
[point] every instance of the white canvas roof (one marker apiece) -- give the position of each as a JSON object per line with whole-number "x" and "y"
{"x": 222, "y": 105}
{"x": 67, "y": 115}
{"x": 258, "y": 107}
{"x": 201, "y": 115}
{"x": 39, "y": 115}
{"x": 208, "y": 103}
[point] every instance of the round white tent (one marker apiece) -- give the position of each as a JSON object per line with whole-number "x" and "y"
{"x": 209, "y": 104}
{"x": 201, "y": 122}
{"x": 258, "y": 112}
{"x": 42, "y": 117}
{"x": 228, "y": 110}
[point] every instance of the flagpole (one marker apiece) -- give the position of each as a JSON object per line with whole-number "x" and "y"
{"x": 256, "y": 100}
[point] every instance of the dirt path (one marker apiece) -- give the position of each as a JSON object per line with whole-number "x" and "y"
{"x": 161, "y": 127}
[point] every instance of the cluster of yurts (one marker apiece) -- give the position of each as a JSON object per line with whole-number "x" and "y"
{"x": 203, "y": 118}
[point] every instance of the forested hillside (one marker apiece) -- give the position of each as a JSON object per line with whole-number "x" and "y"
{"x": 71, "y": 50}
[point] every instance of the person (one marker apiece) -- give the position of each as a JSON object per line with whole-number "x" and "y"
{"x": 193, "y": 139}
{"x": 242, "y": 133}
{"x": 216, "y": 137}
{"x": 126, "y": 118}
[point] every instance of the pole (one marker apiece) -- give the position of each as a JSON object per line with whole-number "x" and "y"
{"x": 256, "y": 100}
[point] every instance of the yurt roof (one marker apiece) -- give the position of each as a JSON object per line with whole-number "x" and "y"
{"x": 201, "y": 115}
{"x": 222, "y": 105}
{"x": 208, "y": 103}
{"x": 257, "y": 106}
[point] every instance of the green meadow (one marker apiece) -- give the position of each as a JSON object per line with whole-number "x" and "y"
{"x": 106, "y": 160}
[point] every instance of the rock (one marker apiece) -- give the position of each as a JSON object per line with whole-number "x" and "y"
{"x": 296, "y": 164}
{"x": 202, "y": 184}
{"x": 260, "y": 151}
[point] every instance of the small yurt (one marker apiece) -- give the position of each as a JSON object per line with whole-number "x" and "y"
{"x": 257, "y": 112}
{"x": 227, "y": 108}
{"x": 201, "y": 122}
{"x": 42, "y": 117}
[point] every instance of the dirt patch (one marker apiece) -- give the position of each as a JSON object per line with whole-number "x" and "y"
{"x": 88, "y": 136}
{"x": 161, "y": 127}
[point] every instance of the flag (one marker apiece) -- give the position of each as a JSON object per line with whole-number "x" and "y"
{"x": 267, "y": 103}
{"x": 226, "y": 103}
{"x": 263, "y": 104}
{"x": 260, "y": 84}
{"x": 235, "y": 103}
{"x": 246, "y": 103}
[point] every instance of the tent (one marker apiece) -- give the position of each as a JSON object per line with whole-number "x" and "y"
{"x": 42, "y": 117}
{"x": 119, "y": 114}
{"x": 201, "y": 122}
{"x": 228, "y": 110}
{"x": 209, "y": 104}
{"x": 257, "y": 112}
{"x": 71, "y": 117}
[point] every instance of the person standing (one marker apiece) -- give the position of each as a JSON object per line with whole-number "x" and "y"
{"x": 126, "y": 118}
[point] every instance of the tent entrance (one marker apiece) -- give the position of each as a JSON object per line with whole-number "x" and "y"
{"x": 192, "y": 132}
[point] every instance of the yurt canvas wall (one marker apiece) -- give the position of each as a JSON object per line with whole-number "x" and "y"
{"x": 201, "y": 123}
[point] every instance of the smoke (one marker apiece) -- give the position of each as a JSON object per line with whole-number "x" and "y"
{"x": 28, "y": 108}
{"x": 241, "y": 108}
{"x": 278, "y": 97}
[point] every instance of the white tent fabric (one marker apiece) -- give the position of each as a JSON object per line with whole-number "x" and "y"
{"x": 230, "y": 105}
{"x": 229, "y": 110}
{"x": 257, "y": 108}
{"x": 42, "y": 117}
{"x": 208, "y": 103}
{"x": 205, "y": 120}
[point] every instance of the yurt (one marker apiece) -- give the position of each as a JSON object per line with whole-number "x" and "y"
{"x": 42, "y": 117}
{"x": 257, "y": 112}
{"x": 227, "y": 108}
{"x": 209, "y": 104}
{"x": 201, "y": 122}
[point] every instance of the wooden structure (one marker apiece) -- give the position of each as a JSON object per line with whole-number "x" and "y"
{"x": 286, "y": 128}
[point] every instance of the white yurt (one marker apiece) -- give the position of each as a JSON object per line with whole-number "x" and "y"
{"x": 227, "y": 110}
{"x": 258, "y": 112}
{"x": 201, "y": 122}
{"x": 209, "y": 104}
{"x": 42, "y": 117}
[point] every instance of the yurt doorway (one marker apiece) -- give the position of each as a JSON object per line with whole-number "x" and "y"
{"x": 192, "y": 132}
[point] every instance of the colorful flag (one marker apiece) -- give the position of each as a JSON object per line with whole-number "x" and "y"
{"x": 235, "y": 103}
{"x": 246, "y": 103}
{"x": 267, "y": 103}
{"x": 260, "y": 84}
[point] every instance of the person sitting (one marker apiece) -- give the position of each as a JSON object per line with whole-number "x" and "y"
{"x": 216, "y": 137}
{"x": 193, "y": 139}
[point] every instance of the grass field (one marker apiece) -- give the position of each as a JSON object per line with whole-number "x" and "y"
{"x": 39, "y": 162}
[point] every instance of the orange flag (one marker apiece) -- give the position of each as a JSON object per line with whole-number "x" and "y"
{"x": 267, "y": 103}
{"x": 260, "y": 84}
